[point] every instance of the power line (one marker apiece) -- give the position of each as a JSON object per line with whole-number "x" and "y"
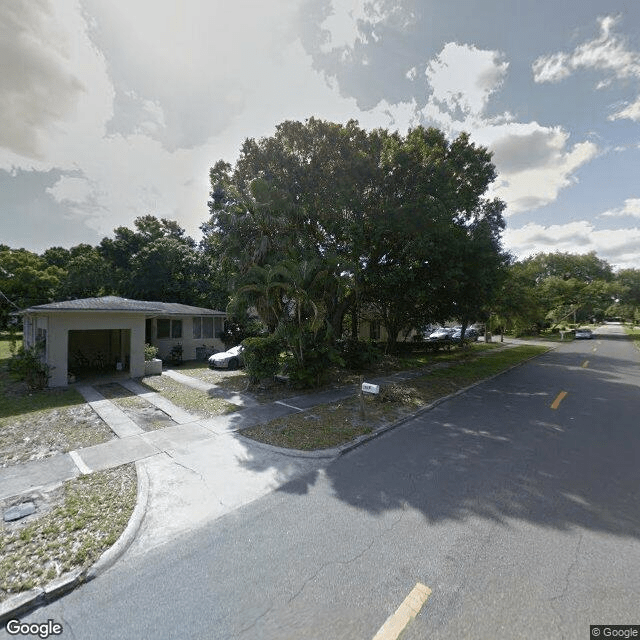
{"x": 9, "y": 301}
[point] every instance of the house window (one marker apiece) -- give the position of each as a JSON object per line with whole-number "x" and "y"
{"x": 374, "y": 330}
{"x": 203, "y": 327}
{"x": 41, "y": 340}
{"x": 169, "y": 328}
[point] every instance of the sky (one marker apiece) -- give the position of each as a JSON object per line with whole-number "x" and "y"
{"x": 113, "y": 110}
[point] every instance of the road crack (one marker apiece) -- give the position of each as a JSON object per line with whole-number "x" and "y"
{"x": 349, "y": 560}
{"x": 254, "y": 623}
{"x": 565, "y": 587}
{"x": 184, "y": 466}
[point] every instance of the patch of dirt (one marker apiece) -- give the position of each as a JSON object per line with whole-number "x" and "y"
{"x": 45, "y": 433}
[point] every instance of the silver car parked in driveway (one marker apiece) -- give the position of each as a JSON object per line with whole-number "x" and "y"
{"x": 230, "y": 359}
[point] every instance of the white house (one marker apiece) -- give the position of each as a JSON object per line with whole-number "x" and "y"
{"x": 109, "y": 333}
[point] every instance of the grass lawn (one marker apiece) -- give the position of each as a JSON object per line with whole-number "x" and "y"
{"x": 192, "y": 400}
{"x": 330, "y": 425}
{"x": 230, "y": 380}
{"x": 72, "y": 527}
{"x": 415, "y": 358}
{"x": 40, "y": 424}
{"x": 16, "y": 399}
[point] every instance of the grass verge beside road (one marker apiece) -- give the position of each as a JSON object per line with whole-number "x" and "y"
{"x": 634, "y": 334}
{"x": 331, "y": 425}
{"x": 72, "y": 527}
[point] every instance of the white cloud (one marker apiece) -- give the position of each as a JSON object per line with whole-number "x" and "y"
{"x": 631, "y": 208}
{"x": 463, "y": 78}
{"x": 534, "y": 162}
{"x": 620, "y": 247}
{"x": 630, "y": 112}
{"x": 37, "y": 89}
{"x": 71, "y": 189}
{"x": 552, "y": 166}
{"x": 111, "y": 177}
{"x": 552, "y": 68}
{"x": 411, "y": 74}
{"x": 350, "y": 20}
{"x": 608, "y": 53}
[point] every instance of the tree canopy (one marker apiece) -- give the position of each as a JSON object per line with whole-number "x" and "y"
{"x": 394, "y": 220}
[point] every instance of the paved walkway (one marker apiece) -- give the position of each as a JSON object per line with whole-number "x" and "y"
{"x": 198, "y": 469}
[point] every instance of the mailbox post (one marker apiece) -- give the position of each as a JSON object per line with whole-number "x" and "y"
{"x": 366, "y": 387}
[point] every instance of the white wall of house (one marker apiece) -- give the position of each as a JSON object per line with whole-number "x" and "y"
{"x": 57, "y": 343}
{"x": 190, "y": 337}
{"x": 375, "y": 330}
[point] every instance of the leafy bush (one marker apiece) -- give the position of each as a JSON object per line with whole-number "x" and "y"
{"x": 27, "y": 365}
{"x": 235, "y": 332}
{"x": 261, "y": 357}
{"x": 359, "y": 354}
{"x": 150, "y": 352}
{"x": 312, "y": 355}
{"x": 175, "y": 355}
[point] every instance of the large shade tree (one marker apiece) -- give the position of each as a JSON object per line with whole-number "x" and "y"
{"x": 376, "y": 209}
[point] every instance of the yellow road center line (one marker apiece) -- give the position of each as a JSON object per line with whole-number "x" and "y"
{"x": 556, "y": 403}
{"x": 407, "y": 611}
{"x": 594, "y": 349}
{"x": 585, "y": 364}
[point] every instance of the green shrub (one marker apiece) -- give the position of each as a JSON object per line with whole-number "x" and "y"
{"x": 310, "y": 359}
{"x": 175, "y": 355}
{"x": 27, "y": 365}
{"x": 150, "y": 352}
{"x": 261, "y": 357}
{"x": 359, "y": 354}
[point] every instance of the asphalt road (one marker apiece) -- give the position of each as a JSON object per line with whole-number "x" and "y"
{"x": 523, "y": 520}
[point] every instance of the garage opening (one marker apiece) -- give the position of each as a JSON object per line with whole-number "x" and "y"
{"x": 98, "y": 352}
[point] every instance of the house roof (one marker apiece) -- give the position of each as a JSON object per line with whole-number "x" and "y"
{"x": 114, "y": 303}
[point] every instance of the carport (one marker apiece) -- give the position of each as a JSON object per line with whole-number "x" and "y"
{"x": 97, "y": 351}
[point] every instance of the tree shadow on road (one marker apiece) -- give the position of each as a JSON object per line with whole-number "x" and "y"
{"x": 500, "y": 452}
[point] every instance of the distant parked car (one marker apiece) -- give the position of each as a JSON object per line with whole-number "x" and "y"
{"x": 469, "y": 334}
{"x": 583, "y": 334}
{"x": 230, "y": 359}
{"x": 443, "y": 333}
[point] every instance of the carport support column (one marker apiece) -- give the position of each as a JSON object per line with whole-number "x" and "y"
{"x": 58, "y": 356}
{"x": 137, "y": 350}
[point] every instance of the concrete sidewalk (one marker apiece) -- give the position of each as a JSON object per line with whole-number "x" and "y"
{"x": 191, "y": 432}
{"x": 198, "y": 468}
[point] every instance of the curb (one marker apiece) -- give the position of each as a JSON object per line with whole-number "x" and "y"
{"x": 335, "y": 452}
{"x": 291, "y": 453}
{"x": 360, "y": 440}
{"x": 25, "y": 602}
